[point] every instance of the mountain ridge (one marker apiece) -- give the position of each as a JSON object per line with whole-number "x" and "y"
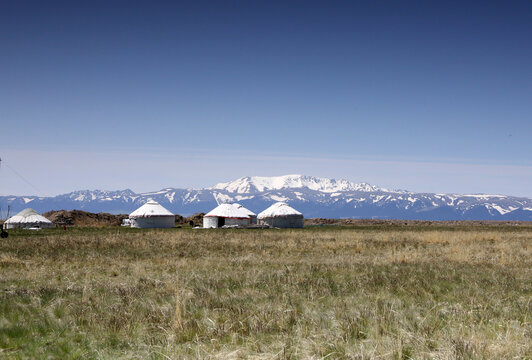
{"x": 263, "y": 183}
{"x": 313, "y": 196}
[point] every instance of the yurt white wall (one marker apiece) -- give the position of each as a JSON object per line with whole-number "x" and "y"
{"x": 286, "y": 221}
{"x": 27, "y": 225}
{"x": 212, "y": 221}
{"x": 231, "y": 221}
{"x": 153, "y": 222}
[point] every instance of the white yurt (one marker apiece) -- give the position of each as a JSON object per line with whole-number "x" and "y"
{"x": 27, "y": 218}
{"x": 152, "y": 215}
{"x": 226, "y": 214}
{"x": 251, "y": 214}
{"x": 281, "y": 215}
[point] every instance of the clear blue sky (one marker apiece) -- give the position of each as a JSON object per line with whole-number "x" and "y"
{"x": 427, "y": 96}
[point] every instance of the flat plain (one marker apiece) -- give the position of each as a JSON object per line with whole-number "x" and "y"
{"x": 359, "y": 292}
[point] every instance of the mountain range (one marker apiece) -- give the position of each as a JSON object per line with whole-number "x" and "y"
{"x": 313, "y": 196}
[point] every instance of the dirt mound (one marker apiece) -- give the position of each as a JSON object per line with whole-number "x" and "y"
{"x": 194, "y": 220}
{"x": 83, "y": 218}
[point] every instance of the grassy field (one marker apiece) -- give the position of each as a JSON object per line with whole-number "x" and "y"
{"x": 374, "y": 292}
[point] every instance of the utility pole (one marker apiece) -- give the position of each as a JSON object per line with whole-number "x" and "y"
{"x": 3, "y": 233}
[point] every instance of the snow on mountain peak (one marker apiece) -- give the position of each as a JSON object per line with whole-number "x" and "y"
{"x": 249, "y": 184}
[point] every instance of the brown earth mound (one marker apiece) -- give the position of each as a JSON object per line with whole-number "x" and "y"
{"x": 194, "y": 220}
{"x": 83, "y": 218}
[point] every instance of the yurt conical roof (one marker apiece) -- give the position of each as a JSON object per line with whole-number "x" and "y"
{"x": 229, "y": 211}
{"x": 249, "y": 212}
{"x": 151, "y": 209}
{"x": 279, "y": 209}
{"x": 28, "y": 216}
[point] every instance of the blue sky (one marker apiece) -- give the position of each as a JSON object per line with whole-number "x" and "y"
{"x": 425, "y": 96}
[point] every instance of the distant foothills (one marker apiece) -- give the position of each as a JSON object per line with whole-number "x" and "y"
{"x": 313, "y": 196}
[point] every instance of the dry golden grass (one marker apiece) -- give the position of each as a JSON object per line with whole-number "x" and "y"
{"x": 353, "y": 293}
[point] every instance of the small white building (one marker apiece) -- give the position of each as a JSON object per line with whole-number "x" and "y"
{"x": 226, "y": 214}
{"x": 281, "y": 215}
{"x": 152, "y": 215}
{"x": 28, "y": 218}
{"x": 251, "y": 214}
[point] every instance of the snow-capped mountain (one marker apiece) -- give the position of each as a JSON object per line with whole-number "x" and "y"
{"x": 251, "y": 184}
{"x": 313, "y": 196}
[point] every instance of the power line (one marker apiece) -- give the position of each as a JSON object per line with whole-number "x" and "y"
{"x": 22, "y": 177}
